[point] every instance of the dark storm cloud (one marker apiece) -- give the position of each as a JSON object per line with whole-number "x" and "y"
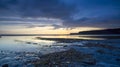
{"x": 35, "y": 8}
{"x": 94, "y": 22}
{"x": 74, "y": 13}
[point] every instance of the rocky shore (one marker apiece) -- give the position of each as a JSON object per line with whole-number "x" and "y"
{"x": 65, "y": 59}
{"x": 77, "y": 53}
{"x": 63, "y": 40}
{"x": 99, "y": 53}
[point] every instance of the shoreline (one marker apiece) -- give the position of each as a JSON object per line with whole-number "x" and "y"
{"x": 82, "y": 53}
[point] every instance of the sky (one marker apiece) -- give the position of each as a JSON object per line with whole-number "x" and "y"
{"x": 57, "y": 16}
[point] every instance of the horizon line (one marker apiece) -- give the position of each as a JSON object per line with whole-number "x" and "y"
{"x": 31, "y": 34}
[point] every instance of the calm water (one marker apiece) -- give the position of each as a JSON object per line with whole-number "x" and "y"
{"x": 22, "y": 43}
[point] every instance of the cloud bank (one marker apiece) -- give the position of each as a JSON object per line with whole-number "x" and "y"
{"x": 61, "y": 13}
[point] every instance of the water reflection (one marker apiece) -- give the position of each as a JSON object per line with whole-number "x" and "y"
{"x": 18, "y": 43}
{"x": 29, "y": 43}
{"x": 21, "y": 49}
{"x": 73, "y": 37}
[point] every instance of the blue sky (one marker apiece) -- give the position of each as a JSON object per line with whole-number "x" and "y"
{"x": 58, "y": 15}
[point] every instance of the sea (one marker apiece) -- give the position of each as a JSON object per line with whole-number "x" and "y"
{"x": 17, "y": 50}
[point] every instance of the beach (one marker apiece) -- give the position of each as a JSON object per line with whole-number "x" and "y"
{"x": 60, "y": 52}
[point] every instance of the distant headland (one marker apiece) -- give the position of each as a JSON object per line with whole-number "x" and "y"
{"x": 100, "y": 32}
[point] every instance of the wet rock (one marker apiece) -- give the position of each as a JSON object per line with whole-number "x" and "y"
{"x": 102, "y": 46}
{"x": 5, "y": 65}
{"x": 18, "y": 57}
{"x": 65, "y": 58}
{"x": 28, "y": 43}
{"x": 65, "y": 46}
{"x": 90, "y": 61}
{"x": 35, "y": 43}
{"x": 60, "y": 40}
{"x": 101, "y": 51}
{"x": 118, "y": 59}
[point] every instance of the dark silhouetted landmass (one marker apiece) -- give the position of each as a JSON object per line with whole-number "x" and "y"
{"x": 105, "y": 31}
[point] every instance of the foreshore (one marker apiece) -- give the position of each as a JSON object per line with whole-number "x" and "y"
{"x": 65, "y": 59}
{"x": 78, "y": 53}
{"x": 89, "y": 54}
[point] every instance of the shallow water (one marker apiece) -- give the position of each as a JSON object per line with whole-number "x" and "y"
{"x": 13, "y": 48}
{"x": 29, "y": 43}
{"x": 16, "y": 50}
{"x": 18, "y": 43}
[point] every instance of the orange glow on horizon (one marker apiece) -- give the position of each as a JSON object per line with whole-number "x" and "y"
{"x": 46, "y": 30}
